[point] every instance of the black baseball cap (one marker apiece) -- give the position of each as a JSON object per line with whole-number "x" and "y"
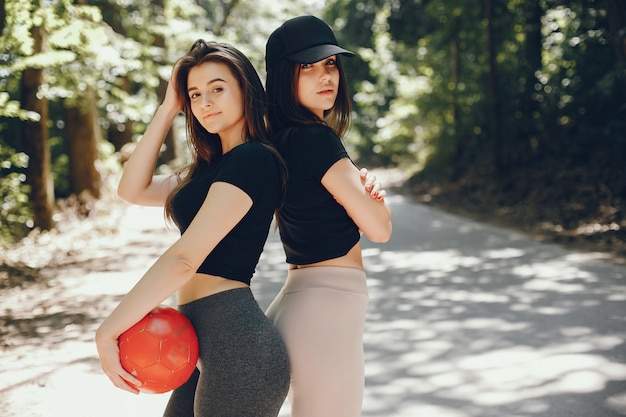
{"x": 302, "y": 39}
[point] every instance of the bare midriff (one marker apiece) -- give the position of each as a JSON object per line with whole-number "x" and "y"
{"x": 352, "y": 259}
{"x": 204, "y": 285}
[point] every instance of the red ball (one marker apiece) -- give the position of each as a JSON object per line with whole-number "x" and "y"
{"x": 161, "y": 350}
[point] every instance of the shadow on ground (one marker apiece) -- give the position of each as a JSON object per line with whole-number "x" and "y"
{"x": 468, "y": 320}
{"x": 465, "y": 320}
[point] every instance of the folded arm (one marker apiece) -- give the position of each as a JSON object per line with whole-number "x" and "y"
{"x": 351, "y": 188}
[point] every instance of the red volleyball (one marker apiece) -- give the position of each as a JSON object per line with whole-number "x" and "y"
{"x": 161, "y": 350}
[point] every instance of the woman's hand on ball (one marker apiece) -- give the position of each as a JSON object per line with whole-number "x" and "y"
{"x": 108, "y": 351}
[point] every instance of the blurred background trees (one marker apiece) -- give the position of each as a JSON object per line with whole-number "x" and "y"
{"x": 525, "y": 96}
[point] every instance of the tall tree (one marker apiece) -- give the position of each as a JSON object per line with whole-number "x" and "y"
{"x": 616, "y": 13}
{"x": 119, "y": 132}
{"x": 456, "y": 59}
{"x": 3, "y": 14}
{"x": 83, "y": 136}
{"x": 528, "y": 136}
{"x": 493, "y": 119}
{"x": 35, "y": 139}
{"x": 82, "y": 131}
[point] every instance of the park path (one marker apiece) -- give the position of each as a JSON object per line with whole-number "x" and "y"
{"x": 465, "y": 320}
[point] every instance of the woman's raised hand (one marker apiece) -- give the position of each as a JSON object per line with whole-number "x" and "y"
{"x": 172, "y": 99}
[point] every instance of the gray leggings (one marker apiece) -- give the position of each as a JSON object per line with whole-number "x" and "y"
{"x": 243, "y": 369}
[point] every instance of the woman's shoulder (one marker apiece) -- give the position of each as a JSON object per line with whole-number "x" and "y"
{"x": 251, "y": 148}
{"x": 310, "y": 136}
{"x": 314, "y": 130}
{"x": 253, "y": 153}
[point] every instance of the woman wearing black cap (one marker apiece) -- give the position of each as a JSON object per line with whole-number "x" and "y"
{"x": 321, "y": 309}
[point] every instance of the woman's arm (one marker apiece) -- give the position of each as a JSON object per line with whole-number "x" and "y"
{"x": 350, "y": 188}
{"x": 138, "y": 185}
{"x": 225, "y": 205}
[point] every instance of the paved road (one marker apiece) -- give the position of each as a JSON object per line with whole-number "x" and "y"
{"x": 465, "y": 320}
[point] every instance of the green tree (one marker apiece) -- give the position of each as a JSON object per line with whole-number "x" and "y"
{"x": 35, "y": 133}
{"x": 99, "y": 75}
{"x": 119, "y": 127}
{"x": 83, "y": 134}
{"x": 522, "y": 96}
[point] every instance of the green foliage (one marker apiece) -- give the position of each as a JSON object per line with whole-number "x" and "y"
{"x": 585, "y": 100}
{"x": 14, "y": 208}
{"x": 420, "y": 81}
{"x": 11, "y": 109}
{"x": 374, "y": 97}
{"x": 16, "y": 37}
{"x": 121, "y": 50}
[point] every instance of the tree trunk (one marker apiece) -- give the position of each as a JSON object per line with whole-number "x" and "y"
{"x": 459, "y": 144}
{"x": 35, "y": 140}
{"x": 493, "y": 117}
{"x": 3, "y": 16}
{"x": 616, "y": 13}
{"x": 119, "y": 134}
{"x": 83, "y": 135}
{"x": 530, "y": 127}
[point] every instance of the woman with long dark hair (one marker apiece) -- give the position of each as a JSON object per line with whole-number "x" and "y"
{"x": 223, "y": 203}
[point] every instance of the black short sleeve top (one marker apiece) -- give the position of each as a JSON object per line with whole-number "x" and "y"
{"x": 255, "y": 170}
{"x": 313, "y": 226}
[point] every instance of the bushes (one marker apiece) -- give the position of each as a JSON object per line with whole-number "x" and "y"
{"x": 15, "y": 211}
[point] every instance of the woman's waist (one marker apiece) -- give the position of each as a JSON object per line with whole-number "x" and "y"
{"x": 327, "y": 278}
{"x": 352, "y": 259}
{"x": 204, "y": 285}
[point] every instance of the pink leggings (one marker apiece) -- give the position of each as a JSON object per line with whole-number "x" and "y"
{"x": 320, "y": 312}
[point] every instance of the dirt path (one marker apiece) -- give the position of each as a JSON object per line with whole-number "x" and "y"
{"x": 49, "y": 362}
{"x": 465, "y": 320}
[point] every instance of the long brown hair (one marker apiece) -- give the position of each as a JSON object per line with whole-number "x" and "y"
{"x": 207, "y": 146}
{"x": 284, "y": 110}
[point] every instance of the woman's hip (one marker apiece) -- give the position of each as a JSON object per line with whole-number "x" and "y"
{"x": 326, "y": 278}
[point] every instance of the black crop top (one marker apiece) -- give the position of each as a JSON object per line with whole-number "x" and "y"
{"x": 255, "y": 170}
{"x": 313, "y": 226}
